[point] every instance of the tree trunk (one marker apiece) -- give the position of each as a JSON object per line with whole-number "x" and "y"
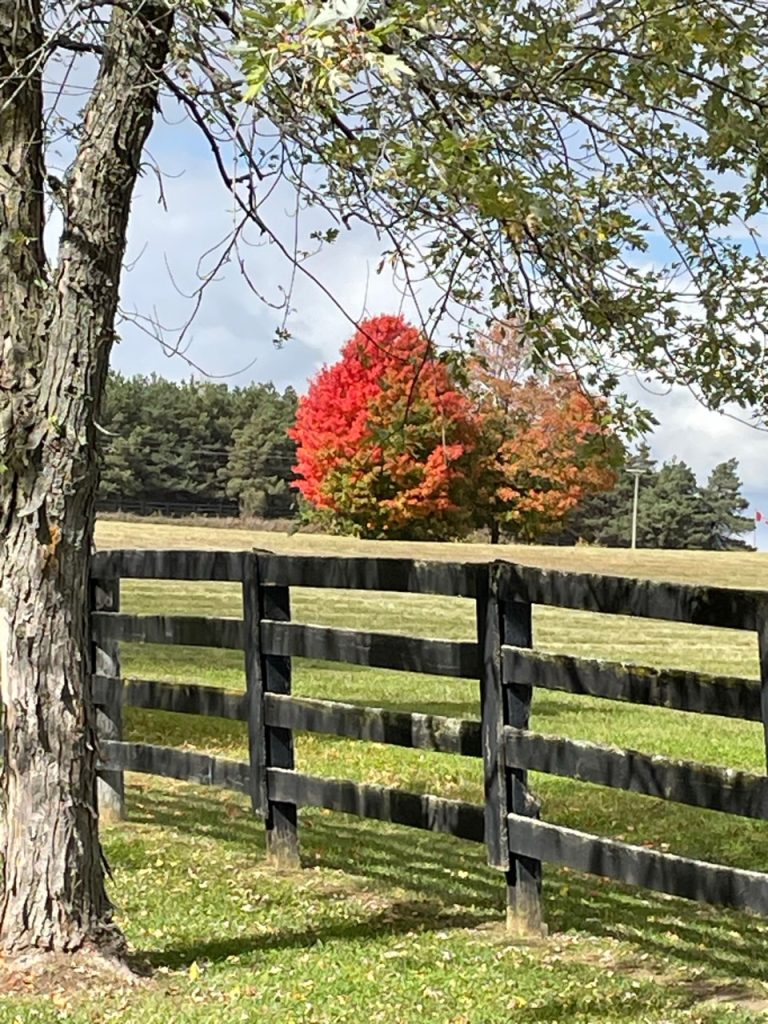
{"x": 55, "y": 352}
{"x": 495, "y": 531}
{"x": 54, "y": 896}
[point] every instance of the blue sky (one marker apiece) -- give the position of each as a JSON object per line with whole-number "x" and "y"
{"x": 231, "y": 336}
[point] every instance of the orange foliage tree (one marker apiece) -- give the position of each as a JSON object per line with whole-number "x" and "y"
{"x": 386, "y": 445}
{"x": 547, "y": 443}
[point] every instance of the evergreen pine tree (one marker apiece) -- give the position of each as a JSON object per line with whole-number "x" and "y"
{"x": 606, "y": 518}
{"x": 724, "y": 501}
{"x": 167, "y": 443}
{"x": 259, "y": 469}
{"x": 674, "y": 515}
{"x": 673, "y": 510}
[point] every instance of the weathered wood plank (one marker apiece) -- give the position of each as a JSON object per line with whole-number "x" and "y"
{"x": 704, "y": 606}
{"x": 637, "y": 865}
{"x": 406, "y": 575}
{"x": 418, "y": 810}
{"x": 282, "y": 816}
{"x": 105, "y": 689}
{"x": 376, "y": 725}
{"x": 716, "y": 606}
{"x": 105, "y": 653}
{"x": 183, "y": 698}
{"x": 492, "y": 725}
{"x": 378, "y": 650}
{"x": 255, "y": 683}
{"x": 169, "y": 565}
{"x": 699, "y": 785}
{"x": 389, "y": 574}
{"x": 727, "y": 696}
{"x": 524, "y": 914}
{"x": 187, "y": 630}
{"x": 762, "y": 647}
{"x": 186, "y": 765}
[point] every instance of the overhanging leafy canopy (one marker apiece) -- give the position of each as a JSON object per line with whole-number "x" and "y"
{"x": 596, "y": 169}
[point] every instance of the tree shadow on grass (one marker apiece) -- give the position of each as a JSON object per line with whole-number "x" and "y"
{"x": 399, "y": 918}
{"x": 453, "y": 887}
{"x": 695, "y": 935}
{"x": 723, "y": 942}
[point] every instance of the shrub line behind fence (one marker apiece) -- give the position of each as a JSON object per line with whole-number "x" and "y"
{"x": 507, "y": 670}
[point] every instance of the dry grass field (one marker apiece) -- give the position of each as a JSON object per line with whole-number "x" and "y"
{"x": 726, "y": 569}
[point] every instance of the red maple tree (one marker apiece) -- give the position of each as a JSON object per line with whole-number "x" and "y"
{"x": 385, "y": 443}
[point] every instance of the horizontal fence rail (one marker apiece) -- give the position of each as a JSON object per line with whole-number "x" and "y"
{"x": 203, "y": 566}
{"x": 185, "y": 630}
{"x": 375, "y": 650}
{"x": 352, "y": 721}
{"x": 699, "y": 785}
{"x": 702, "y": 694}
{"x": 183, "y": 698}
{"x": 501, "y": 659}
{"x": 172, "y": 763}
{"x": 637, "y": 865}
{"x": 404, "y": 575}
{"x": 398, "y": 728}
{"x": 706, "y": 606}
{"x": 418, "y": 810}
{"x": 621, "y": 595}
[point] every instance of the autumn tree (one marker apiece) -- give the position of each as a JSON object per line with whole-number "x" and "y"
{"x": 523, "y": 153}
{"x": 385, "y": 443}
{"x": 546, "y": 443}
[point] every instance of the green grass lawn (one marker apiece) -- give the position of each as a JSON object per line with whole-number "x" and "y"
{"x": 389, "y": 924}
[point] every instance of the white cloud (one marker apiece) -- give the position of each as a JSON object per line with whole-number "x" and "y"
{"x": 234, "y": 327}
{"x": 701, "y": 437}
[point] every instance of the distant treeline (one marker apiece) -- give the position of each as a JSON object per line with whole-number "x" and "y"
{"x": 195, "y": 446}
{"x": 181, "y": 447}
{"x": 673, "y": 510}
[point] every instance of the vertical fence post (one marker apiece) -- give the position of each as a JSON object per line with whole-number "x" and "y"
{"x": 761, "y": 624}
{"x": 281, "y": 817}
{"x": 254, "y": 681}
{"x": 524, "y": 877}
{"x": 489, "y": 643}
{"x": 110, "y": 788}
{"x": 506, "y": 789}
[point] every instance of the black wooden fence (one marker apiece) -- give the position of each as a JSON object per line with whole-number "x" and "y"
{"x": 503, "y": 662}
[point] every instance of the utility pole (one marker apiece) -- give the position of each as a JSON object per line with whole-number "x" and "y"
{"x": 637, "y": 472}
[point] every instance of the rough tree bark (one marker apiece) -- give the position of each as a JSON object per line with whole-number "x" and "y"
{"x": 56, "y": 331}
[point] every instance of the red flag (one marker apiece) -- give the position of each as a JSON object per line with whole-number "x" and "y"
{"x": 759, "y": 517}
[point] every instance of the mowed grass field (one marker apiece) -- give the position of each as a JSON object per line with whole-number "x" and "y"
{"x": 389, "y": 924}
